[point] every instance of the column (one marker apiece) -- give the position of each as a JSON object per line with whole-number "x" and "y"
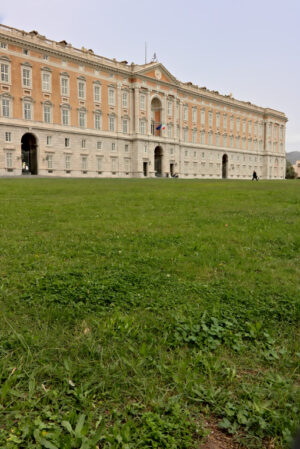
{"x": 149, "y": 112}
{"x": 136, "y": 109}
{"x": 119, "y": 110}
{"x": 180, "y": 121}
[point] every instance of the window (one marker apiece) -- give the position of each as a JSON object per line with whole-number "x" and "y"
{"x": 224, "y": 140}
{"x": 169, "y": 129}
{"x": 237, "y": 142}
{"x": 145, "y": 149}
{"x": 49, "y": 161}
{"x": 185, "y": 113}
{"x": 5, "y": 107}
{"x": 202, "y": 116}
{"x": 68, "y": 162}
{"x": 238, "y": 124}
{"x": 194, "y": 136}
{"x": 99, "y": 145}
{"x": 127, "y": 165}
{"x": 111, "y": 123}
{"x": 82, "y": 119}
{"x": 170, "y": 107}
{"x": 255, "y": 128}
{"x": 225, "y": 121}
{"x": 249, "y": 127}
{"x": 210, "y": 118}
{"x": 83, "y": 143}
{"x": 113, "y": 164}
{"x": 81, "y": 89}
{"x": 7, "y": 137}
{"x": 231, "y": 123}
{"x": 126, "y": 148}
{"x": 202, "y": 137}
{"x": 171, "y": 150}
{"x": 97, "y": 120}
{"x": 218, "y": 120}
{"x": 281, "y": 132}
{"x": 9, "y": 160}
{"x": 210, "y": 138}
{"x": 67, "y": 142}
{"x": 244, "y": 125}
{"x": 3, "y": 45}
{"x": 97, "y": 92}
{"x": 142, "y": 127}
{"x": 231, "y": 141}
{"x": 124, "y": 100}
{"x": 84, "y": 163}
{"x": 25, "y": 51}
{"x": 113, "y": 147}
{"x": 186, "y": 153}
{"x": 99, "y": 163}
{"x": 194, "y": 115}
{"x": 111, "y": 97}
{"x": 218, "y": 139}
{"x": 46, "y": 81}
{"x": 45, "y": 57}
{"x": 48, "y": 140}
{"x": 185, "y": 134}
{"x": 142, "y": 101}
{"x": 26, "y": 76}
{"x": 64, "y": 86}
{"x": 65, "y": 116}
{"x": 27, "y": 110}
{"x": 5, "y": 72}
{"x": 47, "y": 113}
{"x": 125, "y": 125}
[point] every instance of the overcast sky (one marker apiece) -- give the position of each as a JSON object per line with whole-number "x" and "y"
{"x": 249, "y": 48}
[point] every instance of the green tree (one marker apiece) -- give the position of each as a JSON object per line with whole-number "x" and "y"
{"x": 290, "y": 172}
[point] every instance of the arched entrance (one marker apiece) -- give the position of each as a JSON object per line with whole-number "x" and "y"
{"x": 158, "y": 154}
{"x": 29, "y": 154}
{"x": 224, "y": 166}
{"x": 156, "y": 116}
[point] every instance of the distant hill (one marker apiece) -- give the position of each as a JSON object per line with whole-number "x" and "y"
{"x": 293, "y": 156}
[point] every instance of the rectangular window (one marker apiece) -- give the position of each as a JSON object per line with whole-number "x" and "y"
{"x": 97, "y": 93}
{"x": 97, "y": 121}
{"x": 237, "y": 142}
{"x": 202, "y": 116}
{"x": 244, "y": 125}
{"x": 125, "y": 125}
{"x": 218, "y": 120}
{"x": 48, "y": 140}
{"x": 210, "y": 118}
{"x": 47, "y": 113}
{"x": 46, "y": 81}
{"x": 99, "y": 145}
{"x": 27, "y": 111}
{"x": 83, "y": 143}
{"x": 5, "y": 107}
{"x": 45, "y": 57}
{"x": 68, "y": 162}
{"x": 170, "y": 131}
{"x": 114, "y": 164}
{"x": 250, "y": 127}
{"x": 202, "y": 137}
{"x": 7, "y": 137}
{"x": 9, "y": 160}
{"x": 84, "y": 163}
{"x": 126, "y": 148}
{"x": 125, "y": 99}
{"x": 127, "y": 165}
{"x": 113, "y": 147}
{"x": 224, "y": 141}
{"x": 112, "y": 124}
{"x": 111, "y": 96}
{"x": 185, "y": 113}
{"x": 100, "y": 164}
{"x": 3, "y": 45}
{"x": 82, "y": 116}
{"x": 194, "y": 115}
{"x": 64, "y": 84}
{"x": 49, "y": 161}
{"x": 218, "y": 139}
{"x": 238, "y": 125}
{"x": 4, "y": 73}
{"x": 26, "y": 77}
{"x": 194, "y": 136}
{"x": 225, "y": 121}
{"x": 65, "y": 116}
{"x": 185, "y": 134}
{"x": 231, "y": 141}
{"x": 170, "y": 108}
{"x": 255, "y": 128}
{"x": 67, "y": 142}
{"x": 231, "y": 123}
{"x": 210, "y": 139}
{"x": 81, "y": 89}
{"x": 142, "y": 101}
{"x": 142, "y": 126}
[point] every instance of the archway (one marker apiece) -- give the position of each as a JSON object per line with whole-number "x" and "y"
{"x": 156, "y": 116}
{"x": 29, "y": 154}
{"x": 224, "y": 166}
{"x": 158, "y": 154}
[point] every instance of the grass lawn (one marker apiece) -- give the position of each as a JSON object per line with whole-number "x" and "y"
{"x": 134, "y": 310}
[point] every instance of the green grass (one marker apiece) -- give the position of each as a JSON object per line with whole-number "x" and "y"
{"x": 131, "y": 310}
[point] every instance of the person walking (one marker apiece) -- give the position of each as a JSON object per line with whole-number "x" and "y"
{"x": 254, "y": 176}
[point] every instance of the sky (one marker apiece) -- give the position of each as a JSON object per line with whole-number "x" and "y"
{"x": 247, "y": 48}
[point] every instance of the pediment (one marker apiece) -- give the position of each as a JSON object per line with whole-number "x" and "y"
{"x": 157, "y": 72}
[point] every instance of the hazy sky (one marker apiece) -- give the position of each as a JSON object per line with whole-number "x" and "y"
{"x": 249, "y": 48}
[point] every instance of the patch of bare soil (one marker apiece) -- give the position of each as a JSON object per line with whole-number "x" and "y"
{"x": 217, "y": 439}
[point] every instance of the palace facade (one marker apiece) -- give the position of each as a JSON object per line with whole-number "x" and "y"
{"x": 68, "y": 112}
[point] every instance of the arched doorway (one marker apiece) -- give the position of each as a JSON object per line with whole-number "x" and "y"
{"x": 224, "y": 166}
{"x": 158, "y": 154}
{"x": 156, "y": 116}
{"x": 29, "y": 154}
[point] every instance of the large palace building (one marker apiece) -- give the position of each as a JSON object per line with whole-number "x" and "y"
{"x": 68, "y": 112}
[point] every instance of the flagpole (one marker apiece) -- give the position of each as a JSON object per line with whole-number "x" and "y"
{"x": 145, "y": 52}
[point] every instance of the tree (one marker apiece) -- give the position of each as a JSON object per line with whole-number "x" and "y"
{"x": 290, "y": 172}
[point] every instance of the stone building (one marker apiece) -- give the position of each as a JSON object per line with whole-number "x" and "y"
{"x": 68, "y": 112}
